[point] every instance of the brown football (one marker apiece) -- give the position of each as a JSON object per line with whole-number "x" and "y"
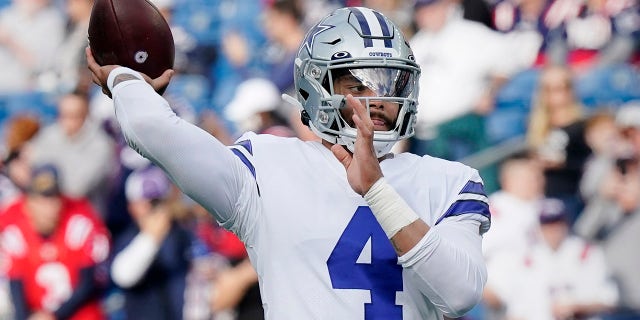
{"x": 131, "y": 33}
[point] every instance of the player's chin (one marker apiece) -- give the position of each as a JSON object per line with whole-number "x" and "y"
{"x": 381, "y": 127}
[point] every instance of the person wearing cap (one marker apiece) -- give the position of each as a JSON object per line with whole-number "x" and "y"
{"x": 560, "y": 277}
{"x": 55, "y": 246}
{"x": 257, "y": 115}
{"x": 151, "y": 257}
{"x": 514, "y": 208}
{"x": 79, "y": 148}
{"x": 463, "y": 63}
{"x": 611, "y": 217}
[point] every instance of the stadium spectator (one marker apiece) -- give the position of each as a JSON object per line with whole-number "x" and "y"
{"x": 222, "y": 276}
{"x": 258, "y": 115}
{"x": 514, "y": 208}
{"x": 463, "y": 65}
{"x": 69, "y": 55}
{"x": 315, "y": 216}
{"x": 80, "y": 149}
{"x": 555, "y": 134}
{"x": 55, "y": 247}
{"x": 523, "y": 23}
{"x": 184, "y": 42}
{"x": 30, "y": 30}
{"x": 14, "y": 179}
{"x": 560, "y": 277}
{"x": 607, "y": 144}
{"x": 592, "y": 33}
{"x": 282, "y": 24}
{"x": 477, "y": 10}
{"x": 580, "y": 34}
{"x": 151, "y": 257}
{"x": 241, "y": 49}
{"x": 612, "y": 216}
{"x": 237, "y": 289}
{"x": 20, "y": 129}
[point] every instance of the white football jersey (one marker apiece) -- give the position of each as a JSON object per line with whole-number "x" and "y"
{"x": 328, "y": 258}
{"x": 318, "y": 250}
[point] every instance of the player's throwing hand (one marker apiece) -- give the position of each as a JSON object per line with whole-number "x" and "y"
{"x": 363, "y": 168}
{"x": 100, "y": 75}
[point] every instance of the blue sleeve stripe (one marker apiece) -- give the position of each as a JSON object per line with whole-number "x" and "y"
{"x": 473, "y": 187}
{"x": 467, "y": 207}
{"x": 244, "y": 160}
{"x": 246, "y": 144}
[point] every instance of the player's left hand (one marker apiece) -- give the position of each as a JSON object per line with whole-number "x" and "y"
{"x": 100, "y": 74}
{"x": 363, "y": 167}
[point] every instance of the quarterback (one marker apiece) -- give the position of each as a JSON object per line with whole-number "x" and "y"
{"x": 338, "y": 229}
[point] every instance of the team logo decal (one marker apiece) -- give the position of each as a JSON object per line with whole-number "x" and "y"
{"x": 308, "y": 41}
{"x": 141, "y": 56}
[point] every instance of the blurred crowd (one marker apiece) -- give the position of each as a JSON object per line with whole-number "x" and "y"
{"x": 91, "y": 230}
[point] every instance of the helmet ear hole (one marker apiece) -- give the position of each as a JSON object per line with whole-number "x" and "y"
{"x": 304, "y": 94}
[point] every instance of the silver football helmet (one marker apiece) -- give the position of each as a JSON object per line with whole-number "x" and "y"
{"x": 373, "y": 50}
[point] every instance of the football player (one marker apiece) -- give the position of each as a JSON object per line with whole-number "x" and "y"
{"x": 338, "y": 229}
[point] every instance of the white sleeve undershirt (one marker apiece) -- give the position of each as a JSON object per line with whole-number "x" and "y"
{"x": 130, "y": 265}
{"x": 448, "y": 267}
{"x": 200, "y": 165}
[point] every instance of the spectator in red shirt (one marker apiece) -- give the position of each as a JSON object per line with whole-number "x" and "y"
{"x": 54, "y": 246}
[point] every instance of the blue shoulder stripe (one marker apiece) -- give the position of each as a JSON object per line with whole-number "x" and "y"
{"x": 244, "y": 160}
{"x": 473, "y": 187}
{"x": 469, "y": 206}
{"x": 246, "y": 144}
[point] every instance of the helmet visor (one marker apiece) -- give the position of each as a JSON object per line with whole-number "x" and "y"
{"x": 386, "y": 82}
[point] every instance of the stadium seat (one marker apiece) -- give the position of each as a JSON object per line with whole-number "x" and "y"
{"x": 518, "y": 91}
{"x": 194, "y": 88}
{"x": 200, "y": 19}
{"x": 513, "y": 103}
{"x": 608, "y": 86}
{"x": 39, "y": 103}
{"x": 503, "y": 124}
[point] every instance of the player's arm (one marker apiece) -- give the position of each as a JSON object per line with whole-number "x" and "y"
{"x": 445, "y": 262}
{"x": 200, "y": 165}
{"x": 19, "y": 301}
{"x": 84, "y": 291}
{"x": 364, "y": 174}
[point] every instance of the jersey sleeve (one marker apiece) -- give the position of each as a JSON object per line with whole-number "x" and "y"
{"x": 447, "y": 265}
{"x": 469, "y": 202}
{"x": 200, "y": 165}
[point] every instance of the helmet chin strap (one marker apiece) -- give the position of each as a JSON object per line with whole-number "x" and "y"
{"x": 293, "y": 101}
{"x": 381, "y": 148}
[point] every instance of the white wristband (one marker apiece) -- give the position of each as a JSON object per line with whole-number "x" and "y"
{"x": 391, "y": 211}
{"x": 118, "y": 71}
